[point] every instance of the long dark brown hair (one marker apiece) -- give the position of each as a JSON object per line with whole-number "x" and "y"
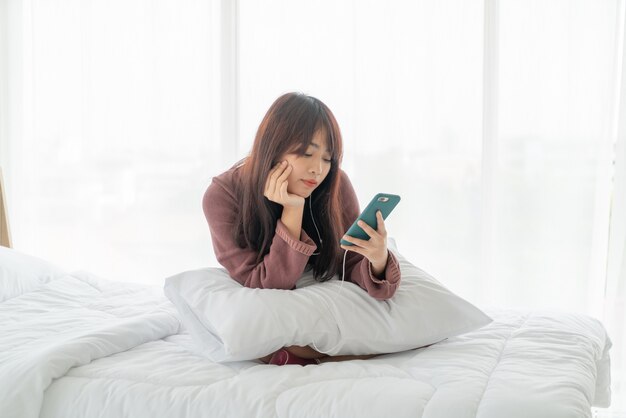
{"x": 288, "y": 127}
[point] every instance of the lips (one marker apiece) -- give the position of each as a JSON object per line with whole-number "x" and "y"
{"x": 310, "y": 183}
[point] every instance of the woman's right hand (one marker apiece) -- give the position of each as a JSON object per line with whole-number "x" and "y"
{"x": 276, "y": 186}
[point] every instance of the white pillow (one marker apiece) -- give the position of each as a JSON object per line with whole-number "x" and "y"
{"x": 231, "y": 322}
{"x": 21, "y": 273}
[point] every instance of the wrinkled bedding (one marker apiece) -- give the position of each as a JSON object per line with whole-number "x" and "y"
{"x": 80, "y": 346}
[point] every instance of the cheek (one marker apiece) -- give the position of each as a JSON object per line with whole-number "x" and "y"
{"x": 294, "y": 176}
{"x": 294, "y": 170}
{"x": 326, "y": 171}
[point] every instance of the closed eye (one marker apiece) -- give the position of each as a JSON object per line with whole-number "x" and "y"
{"x": 325, "y": 159}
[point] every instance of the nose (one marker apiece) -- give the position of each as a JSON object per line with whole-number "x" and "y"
{"x": 316, "y": 166}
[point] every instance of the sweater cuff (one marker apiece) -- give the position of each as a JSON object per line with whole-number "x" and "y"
{"x": 392, "y": 270}
{"x": 306, "y": 246}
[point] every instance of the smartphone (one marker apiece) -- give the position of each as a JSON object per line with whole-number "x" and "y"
{"x": 384, "y": 202}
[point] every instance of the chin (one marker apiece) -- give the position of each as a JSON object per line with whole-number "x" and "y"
{"x": 304, "y": 194}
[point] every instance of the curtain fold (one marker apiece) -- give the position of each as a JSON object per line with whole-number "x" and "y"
{"x": 615, "y": 287}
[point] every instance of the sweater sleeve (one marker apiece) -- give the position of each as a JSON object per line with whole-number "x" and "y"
{"x": 358, "y": 268}
{"x": 279, "y": 269}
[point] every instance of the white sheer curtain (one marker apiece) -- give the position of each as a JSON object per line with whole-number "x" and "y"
{"x": 116, "y": 114}
{"x": 614, "y": 303}
{"x": 112, "y": 130}
{"x": 506, "y": 184}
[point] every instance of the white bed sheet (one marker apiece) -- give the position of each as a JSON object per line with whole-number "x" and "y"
{"x": 83, "y": 347}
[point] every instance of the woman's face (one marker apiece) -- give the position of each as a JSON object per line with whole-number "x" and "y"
{"x": 310, "y": 169}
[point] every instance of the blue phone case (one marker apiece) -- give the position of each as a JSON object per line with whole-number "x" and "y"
{"x": 382, "y": 201}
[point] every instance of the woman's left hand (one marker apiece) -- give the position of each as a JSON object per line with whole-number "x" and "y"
{"x": 374, "y": 249}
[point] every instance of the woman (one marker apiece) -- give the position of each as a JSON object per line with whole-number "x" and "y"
{"x": 284, "y": 209}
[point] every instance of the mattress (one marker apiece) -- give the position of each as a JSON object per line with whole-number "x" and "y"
{"x": 80, "y": 346}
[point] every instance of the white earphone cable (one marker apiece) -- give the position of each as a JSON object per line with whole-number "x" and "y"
{"x": 345, "y": 253}
{"x": 314, "y": 224}
{"x": 343, "y": 275}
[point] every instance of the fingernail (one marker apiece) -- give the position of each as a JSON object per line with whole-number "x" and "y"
{"x": 284, "y": 162}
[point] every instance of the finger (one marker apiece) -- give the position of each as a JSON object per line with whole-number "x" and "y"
{"x": 272, "y": 189}
{"x": 266, "y": 192}
{"x": 356, "y": 241}
{"x": 283, "y": 191}
{"x": 274, "y": 169}
{"x": 368, "y": 229}
{"x": 279, "y": 170}
{"x": 380, "y": 227}
{"x": 268, "y": 181}
{"x": 353, "y": 248}
{"x": 270, "y": 186}
{"x": 285, "y": 174}
{"x": 269, "y": 175}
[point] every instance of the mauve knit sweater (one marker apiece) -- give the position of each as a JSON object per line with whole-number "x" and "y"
{"x": 288, "y": 257}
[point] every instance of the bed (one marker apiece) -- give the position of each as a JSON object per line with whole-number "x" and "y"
{"x": 76, "y": 345}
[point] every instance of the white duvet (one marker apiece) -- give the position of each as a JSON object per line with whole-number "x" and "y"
{"x": 82, "y": 347}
